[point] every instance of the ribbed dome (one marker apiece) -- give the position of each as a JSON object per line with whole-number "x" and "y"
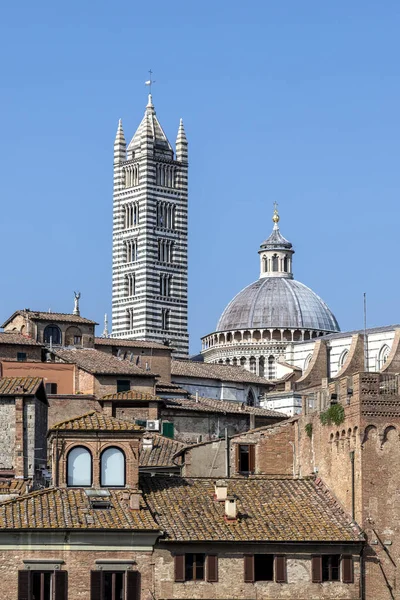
{"x": 277, "y": 302}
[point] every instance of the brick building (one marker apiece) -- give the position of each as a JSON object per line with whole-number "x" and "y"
{"x": 103, "y": 532}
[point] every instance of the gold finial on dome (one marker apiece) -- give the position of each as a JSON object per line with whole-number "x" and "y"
{"x": 275, "y": 217}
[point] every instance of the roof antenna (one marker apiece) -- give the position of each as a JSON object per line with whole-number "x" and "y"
{"x": 76, "y": 311}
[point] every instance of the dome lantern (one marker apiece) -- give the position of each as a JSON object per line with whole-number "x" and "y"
{"x": 276, "y": 253}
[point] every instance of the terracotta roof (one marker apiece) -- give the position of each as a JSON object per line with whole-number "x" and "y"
{"x": 21, "y": 386}
{"x": 188, "y": 368}
{"x": 35, "y": 315}
{"x": 132, "y": 395}
{"x": 221, "y": 406}
{"x": 270, "y": 510}
{"x": 14, "y": 486}
{"x": 100, "y": 363}
{"x": 120, "y": 342}
{"x": 170, "y": 388}
{"x": 161, "y": 452}
{"x": 18, "y": 339}
{"x": 70, "y": 508}
{"x": 95, "y": 421}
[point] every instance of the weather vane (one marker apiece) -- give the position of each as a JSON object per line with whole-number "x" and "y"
{"x": 150, "y": 81}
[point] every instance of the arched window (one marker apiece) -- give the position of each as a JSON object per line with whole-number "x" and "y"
{"x": 307, "y": 362}
{"x": 52, "y": 334}
{"x": 274, "y": 262}
{"x": 112, "y": 470}
{"x": 383, "y": 356}
{"x": 265, "y": 263}
{"x": 250, "y": 399}
{"x": 343, "y": 358}
{"x": 79, "y": 467}
{"x": 285, "y": 264}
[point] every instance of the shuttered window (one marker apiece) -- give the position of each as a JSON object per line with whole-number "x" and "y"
{"x": 252, "y": 458}
{"x": 245, "y": 458}
{"x": 249, "y": 568}
{"x": 39, "y": 584}
{"x": 179, "y": 567}
{"x": 23, "y": 585}
{"x": 347, "y": 569}
{"x": 280, "y": 569}
{"x": 61, "y": 585}
{"x": 316, "y": 568}
{"x": 95, "y": 585}
{"x": 132, "y": 585}
{"x": 212, "y": 567}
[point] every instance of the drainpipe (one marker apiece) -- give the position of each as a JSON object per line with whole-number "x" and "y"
{"x": 227, "y": 465}
{"x": 353, "y": 508}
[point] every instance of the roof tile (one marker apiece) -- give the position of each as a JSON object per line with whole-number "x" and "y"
{"x": 100, "y": 363}
{"x": 188, "y": 368}
{"x": 21, "y": 386}
{"x": 221, "y": 406}
{"x": 161, "y": 452}
{"x": 94, "y": 421}
{"x": 269, "y": 510}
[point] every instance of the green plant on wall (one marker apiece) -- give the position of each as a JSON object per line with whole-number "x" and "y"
{"x": 334, "y": 414}
{"x": 308, "y": 429}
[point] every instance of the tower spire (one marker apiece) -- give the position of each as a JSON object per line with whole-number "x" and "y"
{"x": 276, "y": 252}
{"x": 119, "y": 144}
{"x": 181, "y": 144}
{"x": 105, "y": 331}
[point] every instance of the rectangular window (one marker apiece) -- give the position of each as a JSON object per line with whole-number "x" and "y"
{"x": 21, "y": 356}
{"x": 42, "y": 585}
{"x": 194, "y": 567}
{"x": 51, "y": 388}
{"x": 77, "y": 340}
{"x": 330, "y": 567}
{"x": 263, "y": 567}
{"x": 123, "y": 385}
{"x": 245, "y": 458}
{"x": 114, "y": 585}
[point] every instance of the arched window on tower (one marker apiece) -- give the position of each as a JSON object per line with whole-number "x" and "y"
{"x": 265, "y": 264}
{"x": 285, "y": 264}
{"x": 261, "y": 366}
{"x": 275, "y": 262}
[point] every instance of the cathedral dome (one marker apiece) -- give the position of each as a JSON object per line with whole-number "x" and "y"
{"x": 277, "y": 302}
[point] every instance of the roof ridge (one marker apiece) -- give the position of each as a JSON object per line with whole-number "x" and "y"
{"x": 88, "y": 414}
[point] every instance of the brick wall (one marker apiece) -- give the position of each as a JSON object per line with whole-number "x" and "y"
{"x": 10, "y": 352}
{"x": 107, "y": 384}
{"x": 61, "y": 409}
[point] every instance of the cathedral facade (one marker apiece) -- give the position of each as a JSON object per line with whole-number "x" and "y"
{"x": 260, "y": 322}
{"x": 150, "y": 220}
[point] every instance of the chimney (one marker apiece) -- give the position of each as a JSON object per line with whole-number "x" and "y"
{"x": 221, "y": 490}
{"x": 147, "y": 443}
{"x": 134, "y": 500}
{"x": 230, "y": 509}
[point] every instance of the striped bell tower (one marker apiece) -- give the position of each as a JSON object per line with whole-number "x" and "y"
{"x": 150, "y": 231}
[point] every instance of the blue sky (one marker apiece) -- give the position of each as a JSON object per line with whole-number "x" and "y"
{"x": 291, "y": 101}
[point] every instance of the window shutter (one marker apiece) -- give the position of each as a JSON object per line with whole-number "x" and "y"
{"x": 179, "y": 567}
{"x": 132, "y": 585}
{"x": 248, "y": 568}
{"x": 280, "y": 569}
{"x": 237, "y": 458}
{"x": 23, "y": 585}
{"x": 95, "y": 585}
{"x": 252, "y": 458}
{"x": 316, "y": 568}
{"x": 61, "y": 585}
{"x": 347, "y": 569}
{"x": 212, "y": 567}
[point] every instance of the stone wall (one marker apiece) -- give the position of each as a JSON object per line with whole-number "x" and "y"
{"x": 62, "y": 409}
{"x": 10, "y": 352}
{"x": 107, "y": 384}
{"x": 7, "y": 437}
{"x": 205, "y": 460}
{"x": 231, "y": 576}
{"x": 192, "y": 427}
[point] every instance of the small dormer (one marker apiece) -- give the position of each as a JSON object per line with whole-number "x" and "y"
{"x": 95, "y": 451}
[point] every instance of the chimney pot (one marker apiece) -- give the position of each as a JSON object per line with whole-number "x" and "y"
{"x": 134, "y": 500}
{"x": 221, "y": 490}
{"x": 230, "y": 508}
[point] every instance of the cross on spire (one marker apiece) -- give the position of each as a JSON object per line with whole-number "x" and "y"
{"x": 150, "y": 81}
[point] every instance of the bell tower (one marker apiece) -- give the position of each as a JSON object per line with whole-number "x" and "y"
{"x": 150, "y": 230}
